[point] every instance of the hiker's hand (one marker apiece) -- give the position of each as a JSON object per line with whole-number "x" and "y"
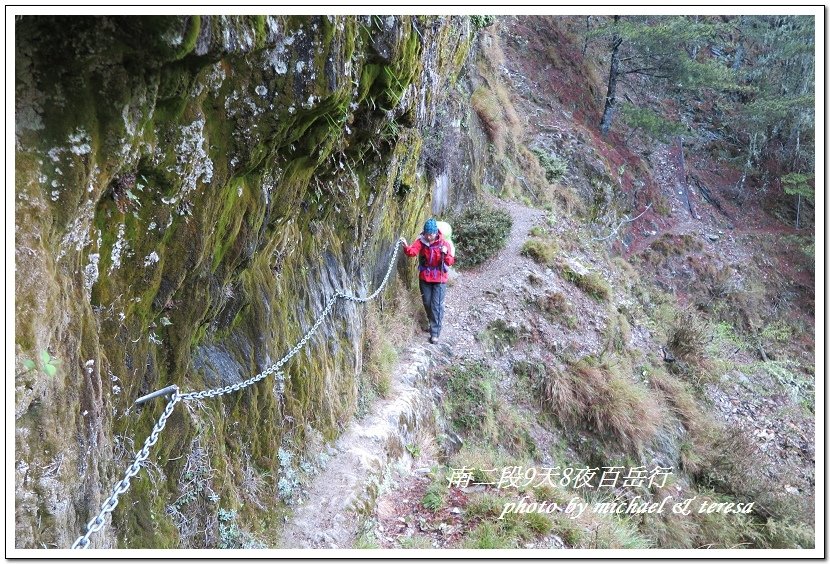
{"x": 444, "y": 250}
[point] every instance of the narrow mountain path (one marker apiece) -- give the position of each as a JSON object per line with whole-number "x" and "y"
{"x": 465, "y": 314}
{"x": 345, "y": 490}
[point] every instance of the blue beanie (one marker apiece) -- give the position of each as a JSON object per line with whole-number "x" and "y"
{"x": 431, "y": 226}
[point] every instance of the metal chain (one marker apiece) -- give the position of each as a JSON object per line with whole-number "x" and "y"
{"x": 402, "y": 241}
{"x": 122, "y": 486}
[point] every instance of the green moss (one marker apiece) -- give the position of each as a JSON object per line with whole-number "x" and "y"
{"x": 368, "y": 75}
{"x": 230, "y": 219}
{"x": 260, "y": 32}
{"x": 239, "y": 263}
{"x": 194, "y": 26}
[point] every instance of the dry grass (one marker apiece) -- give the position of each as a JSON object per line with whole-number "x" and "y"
{"x": 569, "y": 201}
{"x": 514, "y": 124}
{"x": 487, "y": 107}
{"x": 628, "y": 274}
{"x": 617, "y": 333}
{"x": 557, "y": 309}
{"x": 679, "y": 397}
{"x": 532, "y": 169}
{"x": 492, "y": 102}
{"x": 591, "y": 283}
{"x": 388, "y": 329}
{"x": 669, "y": 530}
{"x": 617, "y": 407}
{"x": 541, "y": 251}
{"x": 688, "y": 336}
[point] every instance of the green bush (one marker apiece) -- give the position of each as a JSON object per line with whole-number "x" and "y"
{"x": 479, "y": 233}
{"x": 434, "y": 496}
{"x": 649, "y": 121}
{"x": 591, "y": 283}
{"x": 479, "y": 21}
{"x": 555, "y": 167}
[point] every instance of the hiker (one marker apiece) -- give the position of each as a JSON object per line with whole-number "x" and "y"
{"x": 435, "y": 254}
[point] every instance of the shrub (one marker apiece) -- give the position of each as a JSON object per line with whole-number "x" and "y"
{"x": 669, "y": 530}
{"x": 688, "y": 336}
{"x": 470, "y": 397}
{"x": 525, "y": 526}
{"x": 543, "y": 252}
{"x": 555, "y": 167}
{"x": 650, "y": 121}
{"x": 669, "y": 245}
{"x": 557, "y": 309}
{"x": 492, "y": 532}
{"x": 416, "y": 542}
{"x": 483, "y": 507}
{"x": 479, "y": 21}
{"x": 566, "y": 528}
{"x": 555, "y": 302}
{"x": 546, "y": 492}
{"x": 488, "y": 535}
{"x": 499, "y": 335}
{"x": 434, "y": 496}
{"x": 479, "y": 233}
{"x": 591, "y": 283}
{"x": 614, "y": 532}
{"x": 538, "y": 523}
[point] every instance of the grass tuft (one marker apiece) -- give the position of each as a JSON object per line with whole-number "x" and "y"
{"x": 543, "y": 252}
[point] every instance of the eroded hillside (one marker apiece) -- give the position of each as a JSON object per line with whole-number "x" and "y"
{"x": 652, "y": 317}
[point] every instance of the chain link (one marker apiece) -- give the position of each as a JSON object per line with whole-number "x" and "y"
{"x": 121, "y": 487}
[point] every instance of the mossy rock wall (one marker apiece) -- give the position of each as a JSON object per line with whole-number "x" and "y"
{"x": 189, "y": 192}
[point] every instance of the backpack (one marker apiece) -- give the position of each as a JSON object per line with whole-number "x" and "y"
{"x": 446, "y": 230}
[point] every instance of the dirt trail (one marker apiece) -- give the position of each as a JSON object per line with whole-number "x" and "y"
{"x": 336, "y": 498}
{"x": 463, "y": 318}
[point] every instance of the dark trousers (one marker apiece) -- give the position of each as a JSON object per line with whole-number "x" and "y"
{"x": 432, "y": 294}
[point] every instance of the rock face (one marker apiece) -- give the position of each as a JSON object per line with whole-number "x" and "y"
{"x": 189, "y": 191}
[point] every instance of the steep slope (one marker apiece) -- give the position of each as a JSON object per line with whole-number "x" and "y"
{"x": 637, "y": 337}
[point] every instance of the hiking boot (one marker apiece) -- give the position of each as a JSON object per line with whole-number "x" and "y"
{"x": 433, "y": 339}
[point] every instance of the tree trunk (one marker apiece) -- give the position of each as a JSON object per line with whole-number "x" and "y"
{"x": 611, "y": 95}
{"x": 682, "y": 182}
{"x": 798, "y": 213}
{"x": 587, "y": 29}
{"x": 740, "y": 50}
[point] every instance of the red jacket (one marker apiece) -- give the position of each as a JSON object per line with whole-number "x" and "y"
{"x": 433, "y": 263}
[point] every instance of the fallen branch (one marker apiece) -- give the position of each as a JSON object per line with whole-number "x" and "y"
{"x": 623, "y": 222}
{"x": 707, "y": 195}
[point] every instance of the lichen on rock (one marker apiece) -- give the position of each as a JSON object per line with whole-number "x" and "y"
{"x": 216, "y": 179}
